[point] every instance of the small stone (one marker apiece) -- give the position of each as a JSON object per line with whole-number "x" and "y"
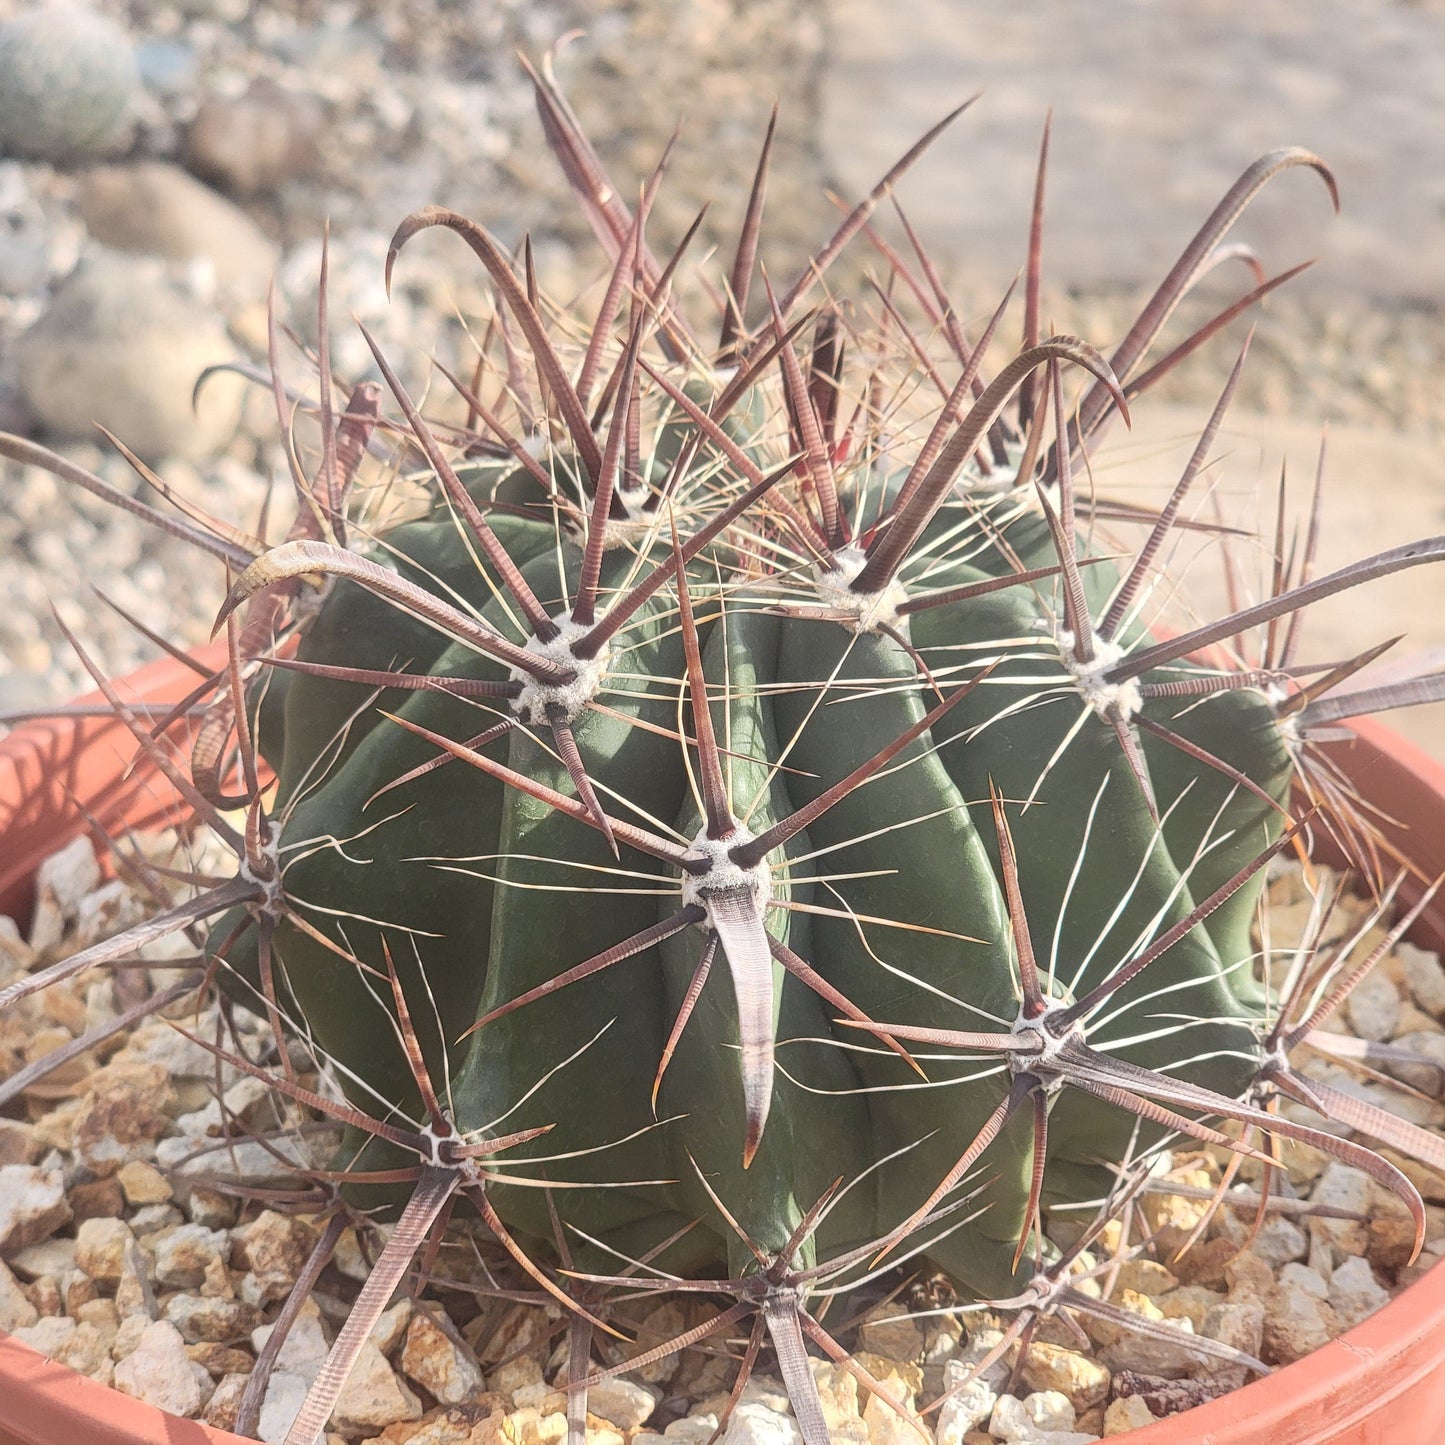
{"x": 183, "y": 1254}
{"x": 387, "y": 1332}
{"x": 1049, "y": 1410}
{"x": 45, "y": 1296}
{"x": 253, "y": 142}
{"x": 755, "y": 1424}
{"x": 305, "y": 1347}
{"x": 96, "y": 1199}
{"x": 966, "y": 1407}
{"x": 69, "y": 87}
{"x": 220, "y": 1360}
{"x": 32, "y": 1206}
{"x": 1205, "y": 1263}
{"x": 515, "y": 1375}
{"x": 152, "y": 1218}
{"x": 522, "y": 1330}
{"x": 214, "y": 1210}
{"x": 623, "y": 1403}
{"x": 158, "y": 210}
{"x": 1343, "y": 1187}
{"x": 134, "y": 1297}
{"x": 143, "y": 1183}
{"x": 1297, "y": 1320}
{"x": 222, "y": 1321}
{"x": 1084, "y": 1382}
{"x": 161, "y": 1373}
{"x": 1239, "y": 1325}
{"x": 1128, "y": 1413}
{"x": 1146, "y": 1276}
{"x": 1248, "y": 1278}
{"x": 691, "y": 1429}
{"x": 123, "y": 1113}
{"x": 1189, "y": 1302}
{"x": 127, "y": 1336}
{"x": 49, "y": 1257}
{"x": 85, "y": 1349}
{"x": 120, "y": 346}
{"x": 285, "y": 1394}
{"x": 16, "y": 1310}
{"x": 1428, "y": 1074}
{"x": 18, "y": 1144}
{"x": 888, "y": 1330}
{"x": 100, "y": 1247}
{"x": 441, "y": 1362}
{"x": 1425, "y": 977}
{"x": 1126, "y": 1349}
{"x": 62, "y": 881}
{"x": 77, "y": 1289}
{"x": 78, "y": 1347}
{"x": 373, "y": 1395}
{"x": 1277, "y": 1241}
{"x": 1373, "y": 1007}
{"x": 1354, "y": 1293}
{"x": 273, "y": 1249}
{"x": 837, "y": 1393}
{"x": 225, "y": 1404}
{"x": 1014, "y": 1420}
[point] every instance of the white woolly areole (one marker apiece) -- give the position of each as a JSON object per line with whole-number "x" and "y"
{"x": 870, "y": 610}
{"x": 723, "y": 875}
{"x": 635, "y": 526}
{"x": 1044, "y": 1043}
{"x": 1123, "y": 698}
{"x": 1000, "y": 480}
{"x": 537, "y": 695}
{"x": 267, "y": 876}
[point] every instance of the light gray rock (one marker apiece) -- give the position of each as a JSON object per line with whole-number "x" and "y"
{"x": 1425, "y": 976}
{"x": 161, "y": 1373}
{"x": 964, "y": 1410}
{"x": 285, "y": 1394}
{"x": 1373, "y": 1007}
{"x": 1013, "y": 1420}
{"x": 1354, "y": 1292}
{"x": 1297, "y": 1320}
{"x": 69, "y": 87}
{"x": 624, "y": 1403}
{"x": 61, "y": 883}
{"x": 755, "y": 1424}
{"x": 304, "y": 1350}
{"x": 120, "y": 346}
{"x": 32, "y": 1206}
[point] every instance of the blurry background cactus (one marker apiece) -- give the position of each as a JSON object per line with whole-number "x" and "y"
{"x": 732, "y": 809}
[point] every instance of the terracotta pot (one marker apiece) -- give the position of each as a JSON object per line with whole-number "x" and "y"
{"x": 1383, "y": 1383}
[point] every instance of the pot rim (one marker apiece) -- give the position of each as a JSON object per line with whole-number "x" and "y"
{"x": 1316, "y": 1399}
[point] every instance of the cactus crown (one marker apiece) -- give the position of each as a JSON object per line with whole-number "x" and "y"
{"x": 760, "y": 654}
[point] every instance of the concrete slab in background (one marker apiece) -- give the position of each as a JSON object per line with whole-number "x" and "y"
{"x": 1157, "y": 108}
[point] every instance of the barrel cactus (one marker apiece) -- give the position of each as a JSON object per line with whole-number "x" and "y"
{"x": 745, "y": 826}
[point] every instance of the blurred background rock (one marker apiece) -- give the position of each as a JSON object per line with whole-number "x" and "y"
{"x": 161, "y": 159}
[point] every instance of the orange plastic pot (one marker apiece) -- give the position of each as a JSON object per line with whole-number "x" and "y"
{"x": 1383, "y": 1383}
